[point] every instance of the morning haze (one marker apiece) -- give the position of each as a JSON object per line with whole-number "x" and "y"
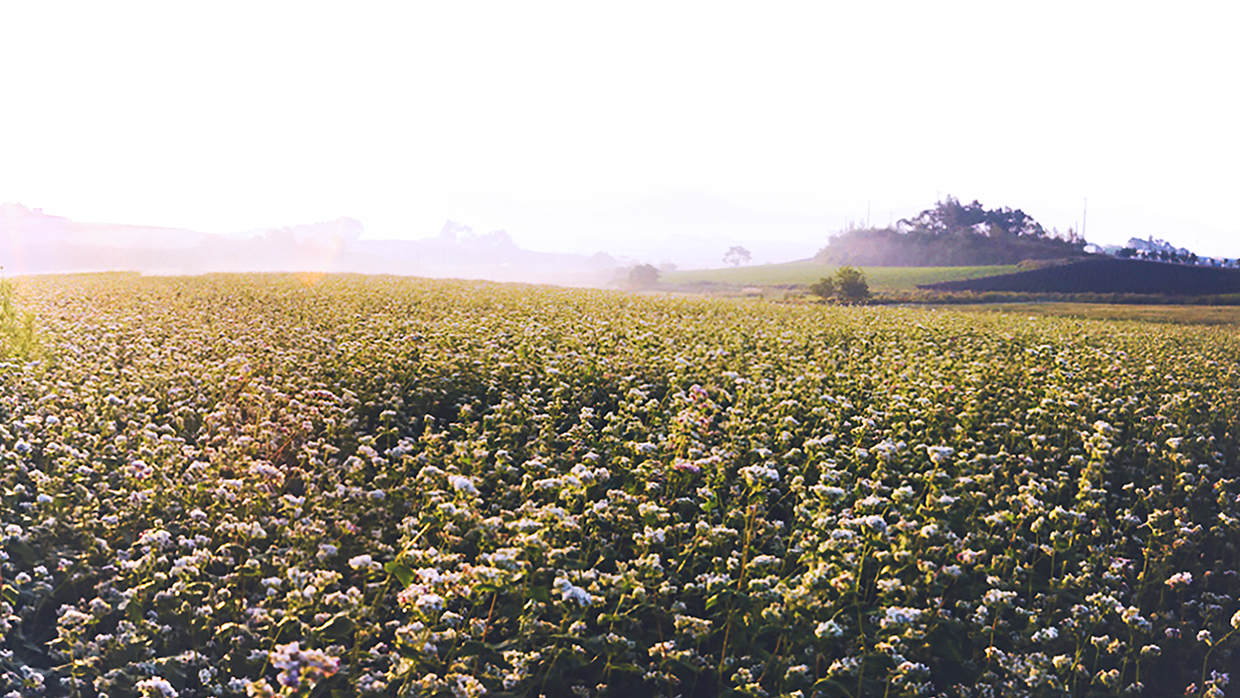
{"x": 652, "y": 134}
{"x": 859, "y": 349}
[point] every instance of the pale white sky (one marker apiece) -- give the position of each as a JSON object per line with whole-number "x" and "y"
{"x": 538, "y": 117}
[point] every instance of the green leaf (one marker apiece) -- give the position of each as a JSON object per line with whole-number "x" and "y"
{"x": 768, "y": 630}
{"x": 400, "y": 571}
{"x": 840, "y": 688}
{"x": 539, "y": 593}
{"x": 472, "y": 648}
{"x": 289, "y": 629}
{"x": 22, "y": 551}
{"x": 337, "y": 627}
{"x": 8, "y": 594}
{"x": 227, "y": 630}
{"x": 722, "y": 597}
{"x": 200, "y": 588}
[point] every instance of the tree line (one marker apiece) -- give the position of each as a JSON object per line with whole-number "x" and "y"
{"x": 953, "y": 234}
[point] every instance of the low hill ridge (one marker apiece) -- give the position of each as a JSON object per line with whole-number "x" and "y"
{"x": 32, "y": 242}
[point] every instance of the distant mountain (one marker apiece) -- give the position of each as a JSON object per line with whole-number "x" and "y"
{"x": 32, "y": 242}
{"x": 24, "y": 226}
{"x": 459, "y": 252}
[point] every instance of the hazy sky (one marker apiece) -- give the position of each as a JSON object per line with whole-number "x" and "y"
{"x": 230, "y": 116}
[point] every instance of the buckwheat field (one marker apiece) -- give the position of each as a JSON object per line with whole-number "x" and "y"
{"x": 337, "y": 486}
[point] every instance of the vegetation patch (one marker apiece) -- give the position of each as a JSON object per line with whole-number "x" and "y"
{"x": 953, "y": 234}
{"x": 260, "y": 485}
{"x": 805, "y": 273}
{"x": 1107, "y": 275}
{"x": 17, "y": 327}
{"x": 1170, "y": 314}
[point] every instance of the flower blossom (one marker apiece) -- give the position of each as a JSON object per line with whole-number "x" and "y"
{"x": 568, "y": 592}
{"x": 1178, "y": 578}
{"x": 156, "y": 687}
{"x": 298, "y": 665}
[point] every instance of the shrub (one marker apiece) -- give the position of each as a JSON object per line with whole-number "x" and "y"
{"x": 824, "y": 288}
{"x": 644, "y": 276}
{"x": 852, "y": 285}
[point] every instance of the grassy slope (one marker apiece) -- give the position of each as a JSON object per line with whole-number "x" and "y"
{"x": 1162, "y": 314}
{"x": 880, "y": 278}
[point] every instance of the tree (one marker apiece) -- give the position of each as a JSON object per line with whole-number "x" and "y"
{"x": 852, "y": 285}
{"x": 824, "y": 288}
{"x": 950, "y": 217}
{"x": 952, "y": 234}
{"x": 736, "y": 256}
{"x": 644, "y": 276}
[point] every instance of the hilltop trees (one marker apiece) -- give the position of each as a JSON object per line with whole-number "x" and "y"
{"x": 953, "y": 234}
{"x": 949, "y": 217}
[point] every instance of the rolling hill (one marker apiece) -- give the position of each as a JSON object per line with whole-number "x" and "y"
{"x": 807, "y": 272}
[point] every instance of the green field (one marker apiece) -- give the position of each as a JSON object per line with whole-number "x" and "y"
{"x": 1168, "y": 314}
{"x": 805, "y": 273}
{"x": 259, "y": 485}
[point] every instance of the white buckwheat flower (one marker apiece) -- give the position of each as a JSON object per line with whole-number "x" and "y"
{"x": 1178, "y": 578}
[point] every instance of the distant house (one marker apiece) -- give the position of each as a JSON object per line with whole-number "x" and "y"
{"x": 1156, "y": 250}
{"x": 1156, "y": 247}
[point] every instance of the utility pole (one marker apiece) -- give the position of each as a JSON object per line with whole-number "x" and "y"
{"x": 1084, "y": 213}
